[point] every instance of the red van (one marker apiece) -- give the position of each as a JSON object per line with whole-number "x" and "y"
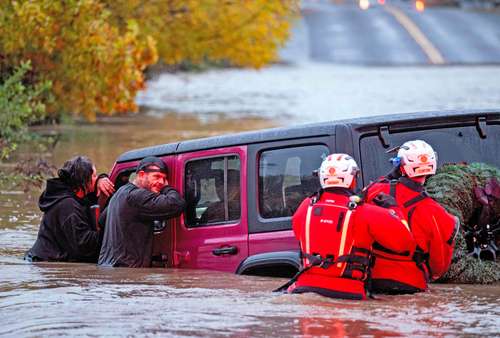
{"x": 242, "y": 189}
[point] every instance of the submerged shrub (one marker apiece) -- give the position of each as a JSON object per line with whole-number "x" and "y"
{"x": 455, "y": 188}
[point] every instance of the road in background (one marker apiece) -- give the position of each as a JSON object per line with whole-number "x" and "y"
{"x": 343, "y": 62}
{"x": 342, "y": 32}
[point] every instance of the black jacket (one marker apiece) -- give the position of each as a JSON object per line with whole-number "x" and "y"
{"x": 129, "y": 218}
{"x": 67, "y": 232}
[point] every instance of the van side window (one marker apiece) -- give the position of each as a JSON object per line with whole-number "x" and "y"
{"x": 212, "y": 191}
{"x": 286, "y": 178}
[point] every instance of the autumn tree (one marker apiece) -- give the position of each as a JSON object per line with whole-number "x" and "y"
{"x": 93, "y": 65}
{"x": 242, "y": 32}
{"x": 94, "y": 52}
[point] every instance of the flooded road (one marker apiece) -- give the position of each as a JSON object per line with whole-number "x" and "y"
{"x": 62, "y": 299}
{"x": 83, "y": 300}
{"x": 57, "y": 299}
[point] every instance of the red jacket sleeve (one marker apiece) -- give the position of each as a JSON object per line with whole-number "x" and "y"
{"x": 373, "y": 190}
{"x": 441, "y": 228}
{"x": 388, "y": 228}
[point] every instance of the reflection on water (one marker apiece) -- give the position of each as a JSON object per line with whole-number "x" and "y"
{"x": 50, "y": 299}
{"x": 82, "y": 299}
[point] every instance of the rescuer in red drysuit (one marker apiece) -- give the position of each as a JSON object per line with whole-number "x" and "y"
{"x": 336, "y": 234}
{"x": 432, "y": 227}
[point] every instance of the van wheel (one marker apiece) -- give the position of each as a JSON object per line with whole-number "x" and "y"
{"x": 283, "y": 270}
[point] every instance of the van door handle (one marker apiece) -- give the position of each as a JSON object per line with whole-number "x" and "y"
{"x": 227, "y": 250}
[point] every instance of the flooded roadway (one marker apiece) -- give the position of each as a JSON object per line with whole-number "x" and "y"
{"x": 59, "y": 299}
{"x": 82, "y": 300}
{"x": 56, "y": 299}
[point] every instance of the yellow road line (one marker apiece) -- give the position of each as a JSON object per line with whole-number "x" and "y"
{"x": 429, "y": 49}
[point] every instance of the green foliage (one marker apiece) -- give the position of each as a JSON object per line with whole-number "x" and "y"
{"x": 93, "y": 65}
{"x": 20, "y": 104}
{"x": 453, "y": 187}
{"x": 94, "y": 52}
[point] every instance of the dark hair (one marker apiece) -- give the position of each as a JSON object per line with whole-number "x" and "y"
{"x": 77, "y": 172}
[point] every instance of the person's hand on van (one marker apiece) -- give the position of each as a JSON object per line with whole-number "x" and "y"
{"x": 105, "y": 186}
{"x": 166, "y": 189}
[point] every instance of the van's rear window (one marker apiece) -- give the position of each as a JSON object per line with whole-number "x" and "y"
{"x": 453, "y": 145}
{"x": 286, "y": 178}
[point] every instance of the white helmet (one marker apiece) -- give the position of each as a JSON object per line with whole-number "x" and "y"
{"x": 417, "y": 158}
{"x": 337, "y": 170}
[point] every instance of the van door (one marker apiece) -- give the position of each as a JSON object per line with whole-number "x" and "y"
{"x": 281, "y": 177}
{"x": 213, "y": 232}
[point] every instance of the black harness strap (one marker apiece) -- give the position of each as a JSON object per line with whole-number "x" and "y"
{"x": 410, "y": 215}
{"x": 339, "y": 222}
{"x": 314, "y": 260}
{"x": 353, "y": 261}
{"x": 392, "y": 188}
{"x": 416, "y": 199}
{"x": 380, "y": 247}
{"x": 421, "y": 259}
{"x": 412, "y": 185}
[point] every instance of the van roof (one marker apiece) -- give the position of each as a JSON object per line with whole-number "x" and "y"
{"x": 408, "y": 120}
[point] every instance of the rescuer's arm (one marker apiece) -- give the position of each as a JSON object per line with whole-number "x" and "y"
{"x": 167, "y": 204}
{"x": 442, "y": 228}
{"x": 371, "y": 191}
{"x": 390, "y": 230}
{"x": 299, "y": 218}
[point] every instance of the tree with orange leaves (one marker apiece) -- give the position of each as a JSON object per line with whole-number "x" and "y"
{"x": 94, "y": 52}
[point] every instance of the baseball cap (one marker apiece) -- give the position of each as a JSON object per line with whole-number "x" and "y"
{"x": 150, "y": 161}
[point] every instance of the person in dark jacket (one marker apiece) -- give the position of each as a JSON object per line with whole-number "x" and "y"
{"x": 130, "y": 216}
{"x": 67, "y": 232}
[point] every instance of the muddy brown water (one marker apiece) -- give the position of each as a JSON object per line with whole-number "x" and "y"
{"x": 62, "y": 299}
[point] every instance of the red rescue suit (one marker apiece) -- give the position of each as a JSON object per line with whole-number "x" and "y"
{"x": 336, "y": 237}
{"x": 434, "y": 231}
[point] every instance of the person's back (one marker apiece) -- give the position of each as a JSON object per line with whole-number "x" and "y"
{"x": 67, "y": 231}
{"x": 130, "y": 215}
{"x": 334, "y": 230}
{"x": 336, "y": 234}
{"x": 432, "y": 227}
{"x": 135, "y": 236}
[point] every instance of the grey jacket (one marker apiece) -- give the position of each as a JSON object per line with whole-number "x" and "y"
{"x": 128, "y": 220}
